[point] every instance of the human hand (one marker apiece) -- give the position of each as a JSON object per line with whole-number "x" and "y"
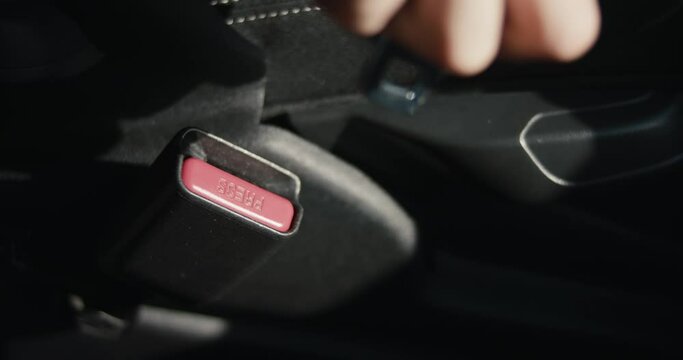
{"x": 466, "y": 36}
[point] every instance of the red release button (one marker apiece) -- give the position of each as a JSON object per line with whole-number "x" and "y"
{"x": 231, "y": 192}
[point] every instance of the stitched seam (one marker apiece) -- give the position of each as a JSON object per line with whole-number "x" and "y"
{"x": 223, "y": 2}
{"x": 269, "y": 14}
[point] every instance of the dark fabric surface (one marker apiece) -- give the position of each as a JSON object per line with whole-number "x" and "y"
{"x": 308, "y": 56}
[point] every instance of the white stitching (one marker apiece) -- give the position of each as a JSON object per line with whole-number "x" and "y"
{"x": 269, "y": 15}
{"x": 223, "y": 2}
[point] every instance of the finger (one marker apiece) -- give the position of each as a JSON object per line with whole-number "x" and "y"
{"x": 461, "y": 35}
{"x": 561, "y": 30}
{"x": 365, "y": 17}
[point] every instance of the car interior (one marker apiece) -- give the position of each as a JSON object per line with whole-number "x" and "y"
{"x": 529, "y": 211}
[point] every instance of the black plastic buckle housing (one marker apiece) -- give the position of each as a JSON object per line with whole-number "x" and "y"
{"x": 178, "y": 243}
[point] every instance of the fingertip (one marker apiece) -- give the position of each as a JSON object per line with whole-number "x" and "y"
{"x": 576, "y": 39}
{"x": 462, "y": 36}
{"x": 555, "y": 30}
{"x": 363, "y": 17}
{"x": 367, "y": 28}
{"x": 467, "y": 61}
